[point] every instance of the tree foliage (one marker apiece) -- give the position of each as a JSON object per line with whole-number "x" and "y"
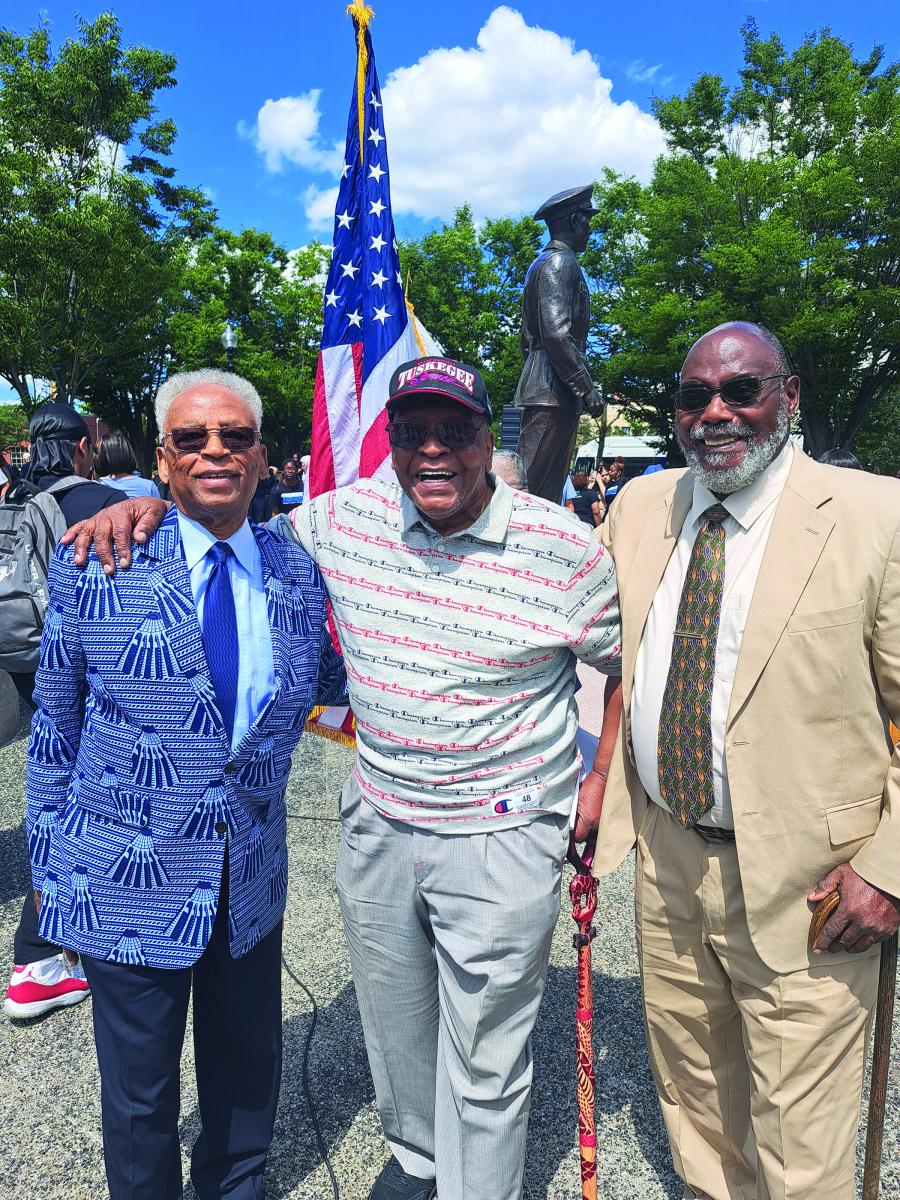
{"x": 466, "y": 285}
{"x": 112, "y": 274}
{"x": 778, "y": 202}
{"x": 89, "y": 212}
{"x": 878, "y": 442}
{"x": 275, "y": 302}
{"x": 13, "y": 425}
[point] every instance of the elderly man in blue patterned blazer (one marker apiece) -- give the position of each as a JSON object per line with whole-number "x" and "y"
{"x": 169, "y": 701}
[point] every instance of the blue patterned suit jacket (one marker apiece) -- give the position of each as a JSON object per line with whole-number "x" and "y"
{"x": 134, "y": 793}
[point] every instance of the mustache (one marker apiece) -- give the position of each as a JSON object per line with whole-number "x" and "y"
{"x": 735, "y": 428}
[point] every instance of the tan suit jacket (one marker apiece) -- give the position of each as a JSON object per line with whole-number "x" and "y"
{"x": 809, "y": 757}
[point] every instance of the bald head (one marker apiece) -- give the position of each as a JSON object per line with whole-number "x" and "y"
{"x": 731, "y": 434}
{"x": 733, "y": 333}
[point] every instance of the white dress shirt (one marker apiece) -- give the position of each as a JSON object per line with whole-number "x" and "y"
{"x": 256, "y": 668}
{"x": 751, "y": 511}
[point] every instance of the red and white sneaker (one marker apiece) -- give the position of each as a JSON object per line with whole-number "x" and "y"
{"x": 38, "y": 987}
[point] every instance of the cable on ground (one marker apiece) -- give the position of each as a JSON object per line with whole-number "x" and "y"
{"x": 304, "y": 1076}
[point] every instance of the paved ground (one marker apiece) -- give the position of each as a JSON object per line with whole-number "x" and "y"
{"x": 50, "y": 1145}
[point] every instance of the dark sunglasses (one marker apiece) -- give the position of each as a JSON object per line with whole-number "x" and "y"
{"x": 192, "y": 439}
{"x": 455, "y": 435}
{"x": 736, "y": 393}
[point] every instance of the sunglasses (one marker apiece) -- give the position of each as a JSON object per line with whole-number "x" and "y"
{"x": 455, "y": 435}
{"x": 736, "y": 393}
{"x": 192, "y": 439}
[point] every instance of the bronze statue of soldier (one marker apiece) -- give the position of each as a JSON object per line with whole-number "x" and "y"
{"x": 555, "y": 385}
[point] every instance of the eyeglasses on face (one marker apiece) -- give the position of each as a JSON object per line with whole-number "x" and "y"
{"x": 455, "y": 435}
{"x": 742, "y": 392}
{"x": 192, "y": 439}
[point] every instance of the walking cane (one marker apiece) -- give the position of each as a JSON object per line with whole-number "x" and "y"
{"x": 881, "y": 1057}
{"x": 881, "y": 1047}
{"x": 583, "y": 894}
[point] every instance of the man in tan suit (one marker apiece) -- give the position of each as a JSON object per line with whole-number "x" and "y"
{"x": 760, "y": 597}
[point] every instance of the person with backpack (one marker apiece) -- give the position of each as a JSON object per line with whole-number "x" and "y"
{"x": 54, "y": 491}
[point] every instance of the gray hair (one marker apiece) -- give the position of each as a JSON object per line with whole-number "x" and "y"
{"x": 185, "y": 380}
{"x": 510, "y": 466}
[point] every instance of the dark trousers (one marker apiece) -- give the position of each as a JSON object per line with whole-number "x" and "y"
{"x": 546, "y": 442}
{"x": 139, "y": 1023}
{"x": 28, "y": 945}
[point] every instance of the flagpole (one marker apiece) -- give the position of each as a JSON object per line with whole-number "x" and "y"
{"x": 412, "y": 317}
{"x": 362, "y": 16}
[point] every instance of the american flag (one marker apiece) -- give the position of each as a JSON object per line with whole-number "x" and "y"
{"x": 368, "y": 330}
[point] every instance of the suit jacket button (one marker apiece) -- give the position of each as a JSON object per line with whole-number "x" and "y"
{"x": 221, "y": 826}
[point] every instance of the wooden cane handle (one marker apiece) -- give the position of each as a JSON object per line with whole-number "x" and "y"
{"x": 821, "y": 913}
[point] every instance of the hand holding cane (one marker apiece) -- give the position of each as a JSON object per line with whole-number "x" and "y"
{"x": 881, "y": 1046}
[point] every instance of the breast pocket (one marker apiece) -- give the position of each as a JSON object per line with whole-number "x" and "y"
{"x": 825, "y": 619}
{"x": 732, "y": 619}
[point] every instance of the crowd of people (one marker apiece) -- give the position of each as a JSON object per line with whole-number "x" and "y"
{"x": 748, "y": 624}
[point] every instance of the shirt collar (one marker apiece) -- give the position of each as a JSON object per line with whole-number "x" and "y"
{"x": 490, "y": 526}
{"x": 749, "y": 503}
{"x": 196, "y": 540}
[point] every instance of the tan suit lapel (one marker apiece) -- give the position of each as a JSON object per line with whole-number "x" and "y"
{"x": 658, "y": 537}
{"x": 796, "y": 541}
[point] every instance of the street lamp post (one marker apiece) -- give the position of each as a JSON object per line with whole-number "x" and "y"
{"x": 229, "y": 341}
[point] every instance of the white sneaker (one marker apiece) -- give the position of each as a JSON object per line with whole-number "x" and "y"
{"x": 39, "y": 987}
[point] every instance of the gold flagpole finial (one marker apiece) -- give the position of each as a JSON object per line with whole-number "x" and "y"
{"x": 362, "y": 16}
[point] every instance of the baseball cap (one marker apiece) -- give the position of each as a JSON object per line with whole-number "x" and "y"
{"x": 442, "y": 378}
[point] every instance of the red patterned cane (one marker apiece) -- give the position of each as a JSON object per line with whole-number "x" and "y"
{"x": 583, "y": 894}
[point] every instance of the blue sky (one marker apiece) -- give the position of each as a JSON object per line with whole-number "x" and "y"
{"x": 499, "y": 105}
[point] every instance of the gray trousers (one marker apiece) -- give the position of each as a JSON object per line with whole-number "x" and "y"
{"x": 449, "y": 937}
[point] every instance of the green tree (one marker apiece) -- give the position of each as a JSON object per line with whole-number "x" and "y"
{"x": 878, "y": 442}
{"x": 778, "y": 201}
{"x": 275, "y": 301}
{"x": 13, "y": 425}
{"x": 90, "y": 218}
{"x": 466, "y": 285}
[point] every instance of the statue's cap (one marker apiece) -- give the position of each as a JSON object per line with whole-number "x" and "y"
{"x": 571, "y": 200}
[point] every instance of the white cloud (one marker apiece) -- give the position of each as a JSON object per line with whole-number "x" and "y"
{"x": 639, "y": 72}
{"x": 501, "y": 125}
{"x": 287, "y": 130}
{"x": 318, "y": 205}
{"x": 507, "y": 123}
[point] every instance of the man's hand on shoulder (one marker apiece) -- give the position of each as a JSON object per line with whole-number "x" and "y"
{"x": 136, "y": 519}
{"x": 865, "y": 915}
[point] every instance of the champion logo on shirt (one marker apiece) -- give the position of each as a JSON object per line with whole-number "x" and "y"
{"x": 514, "y": 804}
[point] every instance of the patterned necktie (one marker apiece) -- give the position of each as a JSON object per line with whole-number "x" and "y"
{"x": 220, "y": 639}
{"x": 685, "y": 726}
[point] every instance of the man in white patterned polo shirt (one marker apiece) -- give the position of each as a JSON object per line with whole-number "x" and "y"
{"x": 461, "y": 607}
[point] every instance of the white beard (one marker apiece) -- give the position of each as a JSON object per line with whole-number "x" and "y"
{"x": 756, "y": 459}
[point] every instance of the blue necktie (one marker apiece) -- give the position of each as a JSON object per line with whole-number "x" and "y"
{"x": 220, "y": 639}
